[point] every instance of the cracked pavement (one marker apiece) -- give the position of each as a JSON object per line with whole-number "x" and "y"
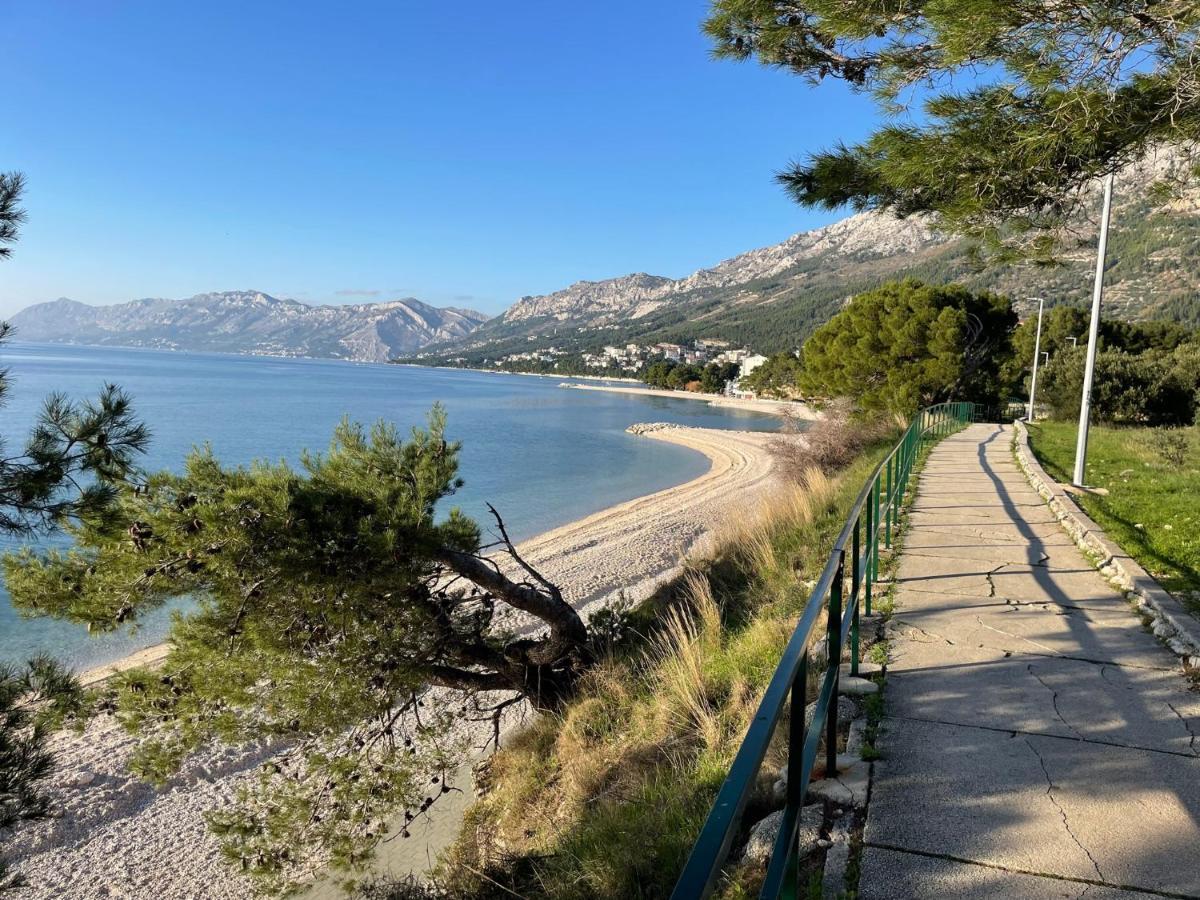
{"x": 1037, "y": 740}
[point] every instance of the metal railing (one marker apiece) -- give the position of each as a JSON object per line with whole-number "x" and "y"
{"x": 871, "y": 521}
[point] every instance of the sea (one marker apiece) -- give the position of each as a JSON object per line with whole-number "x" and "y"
{"x": 543, "y": 455}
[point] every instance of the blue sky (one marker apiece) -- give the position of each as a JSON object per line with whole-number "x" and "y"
{"x": 365, "y": 151}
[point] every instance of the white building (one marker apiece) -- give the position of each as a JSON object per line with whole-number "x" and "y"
{"x": 670, "y": 351}
{"x": 749, "y": 364}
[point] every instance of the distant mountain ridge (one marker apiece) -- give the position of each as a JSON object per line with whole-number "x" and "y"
{"x": 597, "y": 303}
{"x": 772, "y": 298}
{"x": 251, "y": 322}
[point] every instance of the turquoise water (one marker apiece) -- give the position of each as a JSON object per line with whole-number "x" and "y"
{"x": 544, "y": 456}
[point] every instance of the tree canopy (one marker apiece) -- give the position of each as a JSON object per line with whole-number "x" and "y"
{"x": 1023, "y": 104}
{"x": 1066, "y": 327}
{"x": 329, "y": 598}
{"x": 1137, "y": 386}
{"x": 907, "y": 344}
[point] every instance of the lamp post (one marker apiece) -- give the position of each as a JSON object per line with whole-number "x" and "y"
{"x": 1085, "y": 405}
{"x": 1037, "y": 346}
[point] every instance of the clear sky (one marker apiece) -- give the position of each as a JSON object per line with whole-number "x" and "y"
{"x": 465, "y": 153}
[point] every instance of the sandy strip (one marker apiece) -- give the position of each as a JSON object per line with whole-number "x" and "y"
{"x": 117, "y": 837}
{"x": 771, "y": 407}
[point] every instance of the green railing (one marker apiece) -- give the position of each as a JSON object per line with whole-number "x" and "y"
{"x": 871, "y": 522}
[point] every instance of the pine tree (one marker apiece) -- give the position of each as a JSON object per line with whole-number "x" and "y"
{"x": 67, "y": 472}
{"x": 330, "y": 597}
{"x": 906, "y": 345}
{"x": 1023, "y": 104}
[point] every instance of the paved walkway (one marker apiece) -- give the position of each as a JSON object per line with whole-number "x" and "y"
{"x": 1038, "y": 742}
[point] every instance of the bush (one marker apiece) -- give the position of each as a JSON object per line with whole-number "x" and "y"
{"x": 1171, "y": 444}
{"x": 1152, "y": 388}
{"x": 829, "y": 444}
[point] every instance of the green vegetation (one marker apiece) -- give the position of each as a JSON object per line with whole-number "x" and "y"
{"x": 605, "y": 800}
{"x": 908, "y": 345}
{"x": 1151, "y": 388}
{"x": 1147, "y": 373}
{"x": 1152, "y": 476}
{"x": 330, "y": 598}
{"x": 673, "y": 376}
{"x": 1022, "y": 106}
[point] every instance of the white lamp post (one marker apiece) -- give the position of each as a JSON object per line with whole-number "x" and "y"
{"x": 1085, "y": 405}
{"x": 1037, "y": 346}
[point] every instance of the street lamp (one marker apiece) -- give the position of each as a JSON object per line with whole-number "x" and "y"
{"x": 1037, "y": 347}
{"x": 1085, "y": 405}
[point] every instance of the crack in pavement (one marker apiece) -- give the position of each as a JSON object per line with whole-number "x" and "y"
{"x": 936, "y": 637}
{"x": 1186, "y": 724}
{"x": 991, "y": 584}
{"x": 1053, "y": 699}
{"x": 1062, "y": 812}
{"x": 1048, "y": 735}
{"x": 983, "y": 624}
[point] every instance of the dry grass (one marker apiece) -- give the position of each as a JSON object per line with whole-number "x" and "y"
{"x": 605, "y": 800}
{"x": 829, "y": 444}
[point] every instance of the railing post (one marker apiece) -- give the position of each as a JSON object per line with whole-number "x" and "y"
{"x": 795, "y": 762}
{"x": 834, "y": 645}
{"x": 875, "y": 529}
{"x": 869, "y": 574}
{"x": 887, "y": 508}
{"x": 855, "y": 581}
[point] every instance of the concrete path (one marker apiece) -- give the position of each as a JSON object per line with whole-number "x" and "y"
{"x": 1038, "y": 741}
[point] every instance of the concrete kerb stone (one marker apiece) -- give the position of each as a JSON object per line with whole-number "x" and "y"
{"x": 1170, "y": 621}
{"x": 837, "y": 857}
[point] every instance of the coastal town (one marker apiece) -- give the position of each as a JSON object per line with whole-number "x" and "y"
{"x": 635, "y": 360}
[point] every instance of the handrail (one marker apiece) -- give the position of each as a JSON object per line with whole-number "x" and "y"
{"x": 874, "y": 515}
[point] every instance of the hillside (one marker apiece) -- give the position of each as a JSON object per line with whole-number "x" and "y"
{"x": 772, "y": 298}
{"x": 251, "y": 322}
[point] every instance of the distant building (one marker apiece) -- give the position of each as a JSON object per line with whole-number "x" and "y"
{"x": 749, "y": 364}
{"x": 733, "y": 356}
{"x": 670, "y": 351}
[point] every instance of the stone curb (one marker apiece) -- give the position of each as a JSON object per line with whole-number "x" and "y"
{"x": 1172, "y": 623}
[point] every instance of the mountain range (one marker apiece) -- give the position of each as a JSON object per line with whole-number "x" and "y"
{"x": 251, "y": 322}
{"x": 772, "y": 298}
{"x": 769, "y": 299}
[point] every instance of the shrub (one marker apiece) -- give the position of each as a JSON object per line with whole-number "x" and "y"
{"x": 1171, "y": 445}
{"x": 1151, "y": 388}
{"x": 829, "y": 444}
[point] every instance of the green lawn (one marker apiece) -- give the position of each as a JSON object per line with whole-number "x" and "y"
{"x": 1153, "y": 504}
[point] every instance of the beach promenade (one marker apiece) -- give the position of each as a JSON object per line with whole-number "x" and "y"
{"x": 1038, "y": 741}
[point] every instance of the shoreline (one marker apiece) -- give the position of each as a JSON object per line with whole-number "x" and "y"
{"x": 107, "y": 815}
{"x": 795, "y": 408}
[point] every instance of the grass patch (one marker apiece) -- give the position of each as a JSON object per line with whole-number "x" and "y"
{"x": 606, "y": 799}
{"x": 1153, "y": 481}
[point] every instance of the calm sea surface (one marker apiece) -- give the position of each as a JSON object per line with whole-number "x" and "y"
{"x": 544, "y": 456}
